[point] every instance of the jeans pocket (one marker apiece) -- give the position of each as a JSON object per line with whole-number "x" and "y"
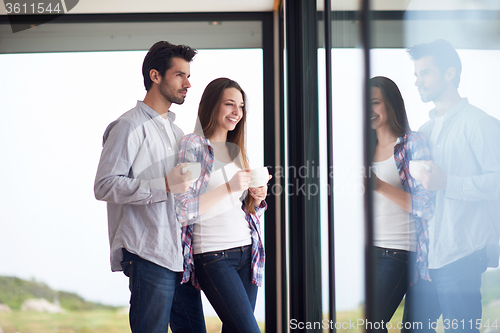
{"x": 127, "y": 267}
{"x": 209, "y": 257}
{"x": 401, "y": 256}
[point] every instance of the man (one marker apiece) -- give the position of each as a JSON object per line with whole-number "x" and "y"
{"x": 465, "y": 173}
{"x": 137, "y": 176}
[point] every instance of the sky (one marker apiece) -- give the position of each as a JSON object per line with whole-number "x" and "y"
{"x": 55, "y": 108}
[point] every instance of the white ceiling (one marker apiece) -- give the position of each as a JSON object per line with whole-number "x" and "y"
{"x": 189, "y": 6}
{"x": 194, "y": 6}
{"x": 167, "y": 6}
{"x": 171, "y": 6}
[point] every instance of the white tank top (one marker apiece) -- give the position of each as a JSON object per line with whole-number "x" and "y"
{"x": 394, "y": 228}
{"x": 223, "y": 226}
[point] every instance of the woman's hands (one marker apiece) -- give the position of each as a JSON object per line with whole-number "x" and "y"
{"x": 399, "y": 197}
{"x": 259, "y": 193}
{"x": 240, "y": 181}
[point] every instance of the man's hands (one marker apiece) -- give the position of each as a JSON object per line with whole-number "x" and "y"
{"x": 176, "y": 181}
{"x": 435, "y": 179}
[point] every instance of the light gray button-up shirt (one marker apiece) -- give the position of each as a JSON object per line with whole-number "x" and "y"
{"x": 466, "y": 217}
{"x": 131, "y": 178}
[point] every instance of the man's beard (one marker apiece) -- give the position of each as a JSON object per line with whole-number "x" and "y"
{"x": 167, "y": 93}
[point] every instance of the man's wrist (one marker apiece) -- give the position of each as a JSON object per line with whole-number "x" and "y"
{"x": 166, "y": 185}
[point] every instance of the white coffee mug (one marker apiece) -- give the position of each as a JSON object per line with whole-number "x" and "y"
{"x": 416, "y": 167}
{"x": 195, "y": 168}
{"x": 260, "y": 176}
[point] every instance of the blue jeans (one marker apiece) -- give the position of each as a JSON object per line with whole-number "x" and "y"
{"x": 226, "y": 279}
{"x": 186, "y": 315}
{"x": 153, "y": 291}
{"x": 454, "y": 292}
{"x": 391, "y": 278}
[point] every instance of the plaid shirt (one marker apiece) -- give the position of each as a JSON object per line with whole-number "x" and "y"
{"x": 194, "y": 148}
{"x": 413, "y": 146}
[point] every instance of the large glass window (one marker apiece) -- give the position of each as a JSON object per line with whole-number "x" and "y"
{"x": 55, "y": 108}
{"x": 456, "y": 147}
{"x": 348, "y": 174}
{"x": 470, "y": 27}
{"x": 346, "y": 93}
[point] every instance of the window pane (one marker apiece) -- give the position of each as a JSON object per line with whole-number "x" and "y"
{"x": 348, "y": 172}
{"x": 55, "y": 108}
{"x": 458, "y": 121}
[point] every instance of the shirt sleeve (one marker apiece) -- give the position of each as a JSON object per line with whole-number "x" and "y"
{"x": 422, "y": 201}
{"x": 483, "y": 140}
{"x": 261, "y": 209}
{"x": 187, "y": 204}
{"x": 114, "y": 182}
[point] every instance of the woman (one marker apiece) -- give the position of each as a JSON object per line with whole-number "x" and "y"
{"x": 222, "y": 237}
{"x": 401, "y": 204}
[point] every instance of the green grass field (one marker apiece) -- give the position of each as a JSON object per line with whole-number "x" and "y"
{"x": 98, "y": 318}
{"x": 112, "y": 321}
{"x": 490, "y": 321}
{"x": 93, "y": 321}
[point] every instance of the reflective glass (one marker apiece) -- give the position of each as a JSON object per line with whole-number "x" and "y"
{"x": 441, "y": 59}
{"x": 347, "y": 171}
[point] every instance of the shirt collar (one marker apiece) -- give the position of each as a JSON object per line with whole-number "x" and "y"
{"x": 208, "y": 142}
{"x": 457, "y": 107}
{"x": 209, "y": 145}
{"x": 153, "y": 114}
{"x": 171, "y": 116}
{"x": 143, "y": 106}
{"x": 401, "y": 140}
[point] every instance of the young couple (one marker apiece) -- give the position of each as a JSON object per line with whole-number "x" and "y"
{"x": 171, "y": 236}
{"x": 434, "y": 237}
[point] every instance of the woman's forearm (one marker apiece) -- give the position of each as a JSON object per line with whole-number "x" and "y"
{"x": 210, "y": 199}
{"x": 399, "y": 197}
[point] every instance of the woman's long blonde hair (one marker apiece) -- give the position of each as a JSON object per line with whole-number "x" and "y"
{"x": 206, "y": 126}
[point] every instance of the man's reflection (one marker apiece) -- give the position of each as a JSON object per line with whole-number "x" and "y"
{"x": 465, "y": 173}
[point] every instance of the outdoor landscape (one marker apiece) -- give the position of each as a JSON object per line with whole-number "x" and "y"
{"x": 33, "y": 307}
